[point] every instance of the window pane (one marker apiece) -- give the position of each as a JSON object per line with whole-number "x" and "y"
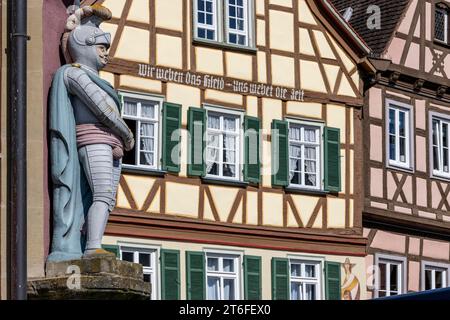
{"x": 130, "y": 156}
{"x": 295, "y": 291}
{"x": 394, "y": 277}
{"x": 144, "y": 259}
{"x": 296, "y": 179}
{"x": 229, "y": 289}
{"x": 310, "y": 271}
{"x": 402, "y": 150}
{"x": 130, "y": 108}
{"x": 229, "y": 142}
{"x": 147, "y": 278}
{"x": 310, "y": 292}
{"x": 295, "y": 270}
{"x": 382, "y": 283}
{"x": 428, "y": 281}
{"x": 147, "y": 129}
{"x": 436, "y": 158}
{"x": 147, "y": 159}
{"x": 392, "y": 154}
{"x": 229, "y": 124}
{"x": 213, "y": 264}
{"x": 310, "y": 135}
{"x": 402, "y": 124}
{"x": 148, "y": 111}
{"x": 439, "y": 275}
{"x": 213, "y": 122}
{"x": 228, "y": 265}
{"x": 435, "y": 132}
{"x": 147, "y": 144}
{"x": 391, "y": 121}
{"x": 229, "y": 170}
{"x": 440, "y": 25}
{"x": 128, "y": 256}
{"x": 213, "y": 288}
{"x": 294, "y": 133}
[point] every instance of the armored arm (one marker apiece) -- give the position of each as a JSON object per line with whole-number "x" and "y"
{"x": 78, "y": 83}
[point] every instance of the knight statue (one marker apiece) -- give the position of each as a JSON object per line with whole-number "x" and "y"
{"x": 87, "y": 139}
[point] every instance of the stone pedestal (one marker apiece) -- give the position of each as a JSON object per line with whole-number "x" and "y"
{"x": 97, "y": 278}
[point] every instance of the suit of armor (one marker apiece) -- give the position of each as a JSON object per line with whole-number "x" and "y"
{"x": 92, "y": 106}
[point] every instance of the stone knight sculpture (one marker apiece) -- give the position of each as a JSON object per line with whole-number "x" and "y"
{"x": 87, "y": 139}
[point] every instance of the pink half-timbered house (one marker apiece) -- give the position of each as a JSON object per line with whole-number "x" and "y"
{"x": 406, "y": 213}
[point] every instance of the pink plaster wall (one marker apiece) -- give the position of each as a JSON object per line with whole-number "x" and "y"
{"x": 414, "y": 246}
{"x": 376, "y": 182}
{"x": 407, "y": 190}
{"x": 376, "y": 143}
{"x": 391, "y": 186}
{"x": 421, "y": 154}
{"x": 413, "y": 59}
{"x": 421, "y": 187}
{"x": 413, "y": 276}
{"x": 389, "y": 241}
{"x": 435, "y": 195}
{"x": 407, "y": 20}
{"x": 436, "y": 250}
{"x": 420, "y": 114}
{"x": 396, "y": 49}
{"x": 375, "y": 103}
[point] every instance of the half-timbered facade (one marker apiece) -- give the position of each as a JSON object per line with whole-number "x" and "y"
{"x": 406, "y": 214}
{"x": 240, "y": 215}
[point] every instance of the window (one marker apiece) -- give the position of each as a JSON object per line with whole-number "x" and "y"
{"x": 305, "y": 155}
{"x": 399, "y": 133}
{"x": 224, "y": 21}
{"x": 147, "y": 258}
{"x": 440, "y": 145}
{"x": 434, "y": 276}
{"x": 142, "y": 115}
{"x": 223, "y": 145}
{"x": 305, "y": 280}
{"x": 441, "y": 24}
{"x": 222, "y": 277}
{"x": 390, "y": 277}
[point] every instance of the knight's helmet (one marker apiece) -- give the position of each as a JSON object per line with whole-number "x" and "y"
{"x": 82, "y": 34}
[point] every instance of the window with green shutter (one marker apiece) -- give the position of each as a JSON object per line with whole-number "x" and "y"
{"x": 333, "y": 280}
{"x": 197, "y": 127}
{"x": 280, "y": 279}
{"x": 195, "y": 275}
{"x": 170, "y": 274}
{"x": 112, "y": 248}
{"x": 332, "y": 159}
{"x": 171, "y": 137}
{"x": 252, "y": 156}
{"x": 252, "y": 277}
{"x": 280, "y": 155}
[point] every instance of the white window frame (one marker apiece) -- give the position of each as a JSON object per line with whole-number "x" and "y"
{"x": 247, "y": 23}
{"x": 221, "y": 26}
{"x": 401, "y": 277}
{"x": 440, "y": 173}
{"x": 319, "y": 263}
{"x": 320, "y": 168}
{"x": 154, "y": 272}
{"x": 445, "y": 11}
{"x": 237, "y": 275}
{"x": 409, "y": 121}
{"x": 435, "y": 266}
{"x": 158, "y": 128}
{"x": 222, "y": 111}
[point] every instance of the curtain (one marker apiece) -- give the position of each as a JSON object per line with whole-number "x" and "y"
{"x": 295, "y": 291}
{"x": 148, "y": 111}
{"x": 130, "y": 108}
{"x": 229, "y": 155}
{"x": 310, "y": 165}
{"x": 147, "y": 142}
{"x": 294, "y": 161}
{"x": 213, "y": 288}
{"x": 310, "y": 135}
{"x": 212, "y": 152}
{"x": 228, "y": 289}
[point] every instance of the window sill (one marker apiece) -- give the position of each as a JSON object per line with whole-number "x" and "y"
{"x": 222, "y": 45}
{"x": 306, "y": 191}
{"x": 145, "y": 171}
{"x": 439, "y": 177}
{"x": 225, "y": 182}
{"x": 399, "y": 168}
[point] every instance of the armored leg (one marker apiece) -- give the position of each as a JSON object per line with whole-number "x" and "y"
{"x": 102, "y": 173}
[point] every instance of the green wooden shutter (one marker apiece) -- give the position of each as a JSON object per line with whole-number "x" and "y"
{"x": 170, "y": 274}
{"x": 333, "y": 280}
{"x": 197, "y": 127}
{"x": 252, "y": 277}
{"x": 252, "y": 161}
{"x": 280, "y": 279}
{"x": 112, "y": 248}
{"x": 195, "y": 275}
{"x": 280, "y": 153}
{"x": 332, "y": 158}
{"x": 170, "y": 140}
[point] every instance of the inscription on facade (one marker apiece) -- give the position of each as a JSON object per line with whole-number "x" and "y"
{"x": 207, "y": 81}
